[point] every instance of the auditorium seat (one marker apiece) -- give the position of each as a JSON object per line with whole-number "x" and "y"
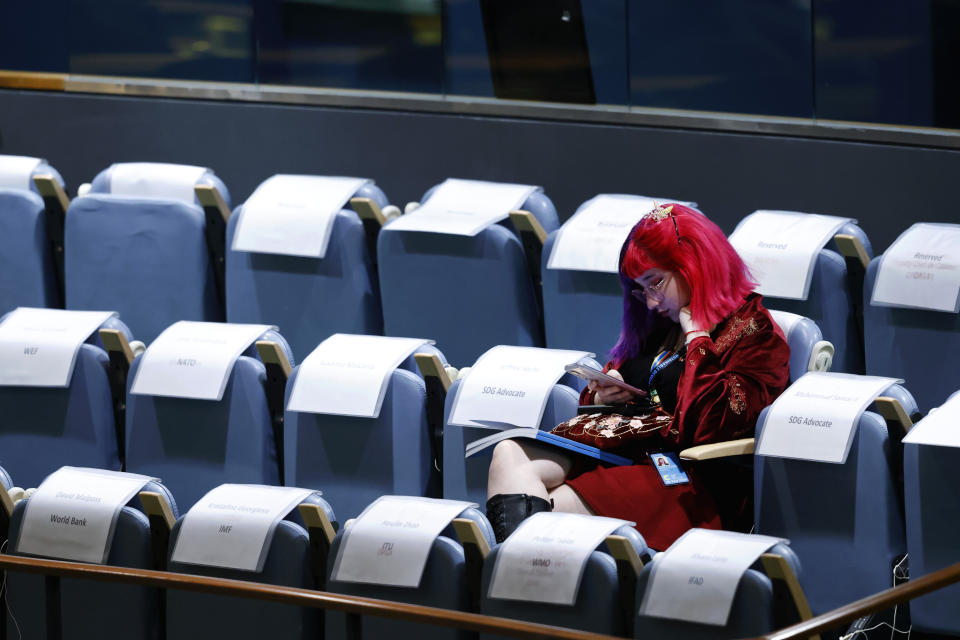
{"x": 467, "y": 292}
{"x": 599, "y": 605}
{"x": 195, "y": 445}
{"x": 932, "y": 496}
{"x": 290, "y": 562}
{"x": 93, "y": 610}
{"x": 309, "y": 298}
{"x": 140, "y": 246}
{"x": 28, "y": 271}
{"x": 908, "y": 343}
{"x": 355, "y": 460}
{"x": 45, "y": 428}
{"x": 844, "y": 521}
{"x": 808, "y": 350}
{"x": 444, "y": 584}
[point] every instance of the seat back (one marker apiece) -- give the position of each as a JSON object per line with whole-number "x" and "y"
{"x": 806, "y": 343}
{"x": 309, "y": 298}
{"x": 443, "y": 584}
{"x": 195, "y": 445}
{"x": 899, "y": 343}
{"x": 356, "y": 460}
{"x": 598, "y": 606}
{"x": 288, "y": 563}
{"x": 850, "y": 513}
{"x": 467, "y": 292}
{"x": 147, "y": 257}
{"x": 28, "y": 276}
{"x": 85, "y": 605}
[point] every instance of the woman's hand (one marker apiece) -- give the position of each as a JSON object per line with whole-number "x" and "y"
{"x": 609, "y": 393}
{"x": 686, "y": 320}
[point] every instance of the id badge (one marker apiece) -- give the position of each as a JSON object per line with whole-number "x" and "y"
{"x": 668, "y": 466}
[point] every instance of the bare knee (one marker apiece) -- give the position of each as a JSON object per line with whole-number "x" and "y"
{"x": 507, "y": 456}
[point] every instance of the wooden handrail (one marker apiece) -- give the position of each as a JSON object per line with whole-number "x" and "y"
{"x": 297, "y": 597}
{"x": 871, "y": 604}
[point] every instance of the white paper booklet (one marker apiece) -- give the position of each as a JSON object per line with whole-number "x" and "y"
{"x": 73, "y": 513}
{"x": 232, "y": 525}
{"x": 940, "y": 428}
{"x": 510, "y": 386}
{"x": 465, "y": 207}
{"x": 921, "y": 269}
{"x": 39, "y": 347}
{"x": 193, "y": 359}
{"x": 15, "y": 171}
{"x": 347, "y": 375}
{"x": 591, "y": 239}
{"x": 816, "y": 417}
{"x": 293, "y": 215}
{"x": 543, "y": 560}
{"x": 155, "y": 180}
{"x": 388, "y": 544}
{"x": 781, "y": 247}
{"x": 696, "y": 579}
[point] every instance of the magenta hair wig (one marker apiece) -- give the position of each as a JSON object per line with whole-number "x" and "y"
{"x": 697, "y": 250}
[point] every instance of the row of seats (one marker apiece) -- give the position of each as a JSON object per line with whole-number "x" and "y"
{"x": 158, "y": 260}
{"x": 302, "y": 553}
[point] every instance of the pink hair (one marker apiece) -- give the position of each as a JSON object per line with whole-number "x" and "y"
{"x": 697, "y": 250}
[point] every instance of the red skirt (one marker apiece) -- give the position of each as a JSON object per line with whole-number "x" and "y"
{"x": 636, "y": 493}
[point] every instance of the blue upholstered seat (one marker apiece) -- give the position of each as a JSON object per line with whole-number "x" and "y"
{"x": 468, "y": 293}
{"x": 45, "y": 428}
{"x": 907, "y": 343}
{"x": 444, "y": 585}
{"x": 803, "y": 338}
{"x": 356, "y": 460}
{"x": 27, "y": 272}
{"x": 598, "y": 606}
{"x": 850, "y": 513}
{"x": 85, "y": 605}
{"x": 288, "y": 563}
{"x": 195, "y": 445}
{"x": 309, "y": 298}
{"x": 146, "y": 257}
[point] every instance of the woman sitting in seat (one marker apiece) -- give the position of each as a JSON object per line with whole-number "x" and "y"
{"x": 699, "y": 341}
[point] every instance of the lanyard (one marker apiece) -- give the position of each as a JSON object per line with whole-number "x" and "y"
{"x": 662, "y": 361}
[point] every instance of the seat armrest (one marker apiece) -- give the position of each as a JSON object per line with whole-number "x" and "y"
{"x": 727, "y": 449}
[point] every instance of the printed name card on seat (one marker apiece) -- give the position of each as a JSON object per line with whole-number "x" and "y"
{"x": 508, "y": 387}
{"x": 198, "y": 412}
{"x": 55, "y": 392}
{"x": 450, "y": 271}
{"x": 792, "y": 257}
{"x": 403, "y": 548}
{"x": 355, "y": 421}
{"x": 85, "y": 515}
{"x": 556, "y": 569}
{"x": 300, "y": 259}
{"x": 910, "y": 311}
{"x": 826, "y": 477}
{"x": 138, "y": 243}
{"x": 246, "y": 532}
{"x": 31, "y": 267}
{"x": 582, "y": 295}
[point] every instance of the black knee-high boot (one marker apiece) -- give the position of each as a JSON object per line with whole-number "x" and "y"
{"x": 507, "y": 510}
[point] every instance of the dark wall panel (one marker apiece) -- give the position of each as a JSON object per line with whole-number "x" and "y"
{"x": 886, "y": 187}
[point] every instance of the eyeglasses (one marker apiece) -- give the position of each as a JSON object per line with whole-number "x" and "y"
{"x": 653, "y": 292}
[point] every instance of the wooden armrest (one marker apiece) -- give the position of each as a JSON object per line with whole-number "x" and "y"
{"x": 893, "y": 411}
{"x": 851, "y": 247}
{"x": 469, "y": 533}
{"x": 367, "y": 209}
{"x": 156, "y": 505}
{"x": 50, "y": 190}
{"x": 431, "y": 367}
{"x": 778, "y": 569}
{"x": 211, "y": 200}
{"x": 525, "y": 221}
{"x": 272, "y": 355}
{"x": 116, "y": 342}
{"x": 316, "y": 518}
{"x": 741, "y": 447}
{"x": 622, "y": 551}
